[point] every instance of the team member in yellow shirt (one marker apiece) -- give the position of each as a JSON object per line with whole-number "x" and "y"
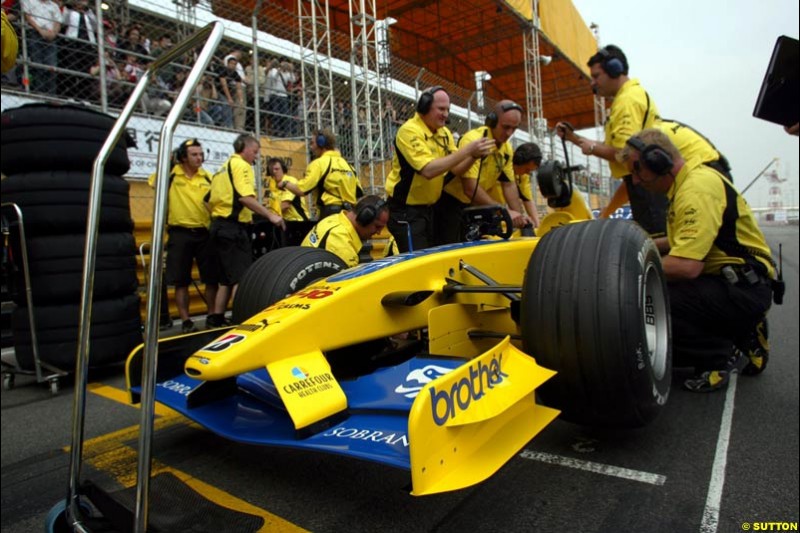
{"x": 232, "y": 202}
{"x": 632, "y": 110}
{"x": 471, "y": 187}
{"x": 330, "y": 177}
{"x": 187, "y": 228}
{"x": 717, "y": 262}
{"x": 343, "y": 233}
{"x": 292, "y": 208}
{"x": 424, "y": 153}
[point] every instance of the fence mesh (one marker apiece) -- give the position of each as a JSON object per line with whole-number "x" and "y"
{"x": 279, "y": 90}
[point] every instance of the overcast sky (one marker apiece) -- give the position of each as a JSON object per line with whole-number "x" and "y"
{"x": 702, "y": 61}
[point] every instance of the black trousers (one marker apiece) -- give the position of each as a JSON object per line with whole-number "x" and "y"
{"x": 709, "y": 315}
{"x": 411, "y": 225}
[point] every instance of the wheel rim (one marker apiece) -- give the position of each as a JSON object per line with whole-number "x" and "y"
{"x": 656, "y": 321}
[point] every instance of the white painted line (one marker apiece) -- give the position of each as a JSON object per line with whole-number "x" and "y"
{"x": 710, "y": 520}
{"x": 597, "y": 468}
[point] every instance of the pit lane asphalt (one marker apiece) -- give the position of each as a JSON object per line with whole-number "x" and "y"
{"x": 664, "y": 478}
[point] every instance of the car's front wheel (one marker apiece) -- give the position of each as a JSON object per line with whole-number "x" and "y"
{"x": 595, "y": 309}
{"x": 279, "y": 273}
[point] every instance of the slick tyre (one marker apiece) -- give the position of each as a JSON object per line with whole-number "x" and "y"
{"x": 595, "y": 309}
{"x": 280, "y": 273}
{"x": 115, "y": 330}
{"x": 64, "y": 137}
{"x": 57, "y": 202}
{"x": 55, "y": 265}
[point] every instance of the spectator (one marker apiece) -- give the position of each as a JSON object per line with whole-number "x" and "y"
{"x": 239, "y": 111}
{"x": 110, "y": 34}
{"x": 207, "y": 104}
{"x": 44, "y": 23}
{"x": 230, "y": 91}
{"x": 116, "y": 92}
{"x": 277, "y": 97}
{"x": 294, "y": 88}
{"x": 252, "y": 71}
{"x": 78, "y": 50}
{"x": 133, "y": 43}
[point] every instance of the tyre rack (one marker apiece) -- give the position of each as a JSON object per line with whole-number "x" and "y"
{"x": 74, "y": 508}
{"x": 52, "y": 373}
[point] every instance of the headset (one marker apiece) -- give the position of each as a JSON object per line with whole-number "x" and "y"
{"x": 426, "y": 99}
{"x": 613, "y": 65}
{"x": 271, "y": 162}
{"x": 367, "y": 211}
{"x": 492, "y": 118}
{"x": 183, "y": 149}
{"x": 654, "y": 158}
{"x": 241, "y": 141}
{"x": 321, "y": 140}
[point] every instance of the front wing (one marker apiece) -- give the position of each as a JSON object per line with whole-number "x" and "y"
{"x": 452, "y": 422}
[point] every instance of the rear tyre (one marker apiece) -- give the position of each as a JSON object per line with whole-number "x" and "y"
{"x": 280, "y": 273}
{"x": 595, "y": 309}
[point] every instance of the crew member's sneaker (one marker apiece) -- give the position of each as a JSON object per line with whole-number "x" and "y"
{"x": 757, "y": 349}
{"x": 188, "y": 326}
{"x": 714, "y": 380}
{"x": 216, "y": 321}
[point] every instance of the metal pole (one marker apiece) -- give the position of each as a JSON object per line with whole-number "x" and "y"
{"x": 759, "y": 175}
{"x": 256, "y": 99}
{"x": 212, "y": 34}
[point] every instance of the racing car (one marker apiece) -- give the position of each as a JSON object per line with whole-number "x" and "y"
{"x": 444, "y": 361}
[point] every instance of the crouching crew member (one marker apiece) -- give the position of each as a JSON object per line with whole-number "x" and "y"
{"x": 717, "y": 263}
{"x": 343, "y": 233}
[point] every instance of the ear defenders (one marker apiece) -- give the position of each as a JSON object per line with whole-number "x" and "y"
{"x": 426, "y": 99}
{"x": 239, "y": 143}
{"x": 492, "y": 118}
{"x": 321, "y": 140}
{"x": 368, "y": 212}
{"x": 183, "y": 149}
{"x": 653, "y": 157}
{"x": 613, "y": 66}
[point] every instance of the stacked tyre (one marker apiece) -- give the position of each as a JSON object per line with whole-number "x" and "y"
{"x": 47, "y": 155}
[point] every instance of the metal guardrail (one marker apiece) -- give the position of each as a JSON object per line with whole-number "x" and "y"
{"x": 211, "y": 35}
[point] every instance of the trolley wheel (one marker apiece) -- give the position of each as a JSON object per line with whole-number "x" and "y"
{"x": 54, "y": 387}
{"x": 8, "y": 381}
{"x": 56, "y": 520}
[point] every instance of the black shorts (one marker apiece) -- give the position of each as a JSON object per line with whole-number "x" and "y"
{"x": 183, "y": 247}
{"x": 231, "y": 246}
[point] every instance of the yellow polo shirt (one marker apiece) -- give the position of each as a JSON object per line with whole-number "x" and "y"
{"x": 416, "y": 146}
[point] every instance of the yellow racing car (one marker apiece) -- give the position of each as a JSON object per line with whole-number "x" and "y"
{"x": 444, "y": 361}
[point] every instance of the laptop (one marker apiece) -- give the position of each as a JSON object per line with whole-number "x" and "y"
{"x": 778, "y": 99}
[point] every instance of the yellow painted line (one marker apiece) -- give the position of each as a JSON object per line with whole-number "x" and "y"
{"x": 108, "y": 454}
{"x": 124, "y": 397}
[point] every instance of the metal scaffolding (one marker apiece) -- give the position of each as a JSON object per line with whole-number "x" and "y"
{"x": 537, "y": 124}
{"x": 315, "y": 65}
{"x": 365, "y": 89}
